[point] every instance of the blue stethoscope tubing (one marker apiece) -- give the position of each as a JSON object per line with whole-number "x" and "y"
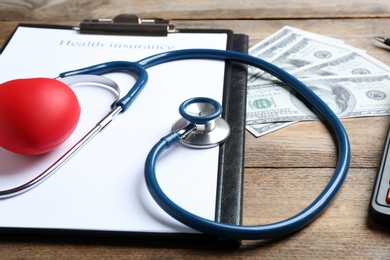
{"x": 223, "y": 230}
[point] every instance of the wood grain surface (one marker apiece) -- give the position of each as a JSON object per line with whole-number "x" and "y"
{"x": 285, "y": 170}
{"x": 64, "y": 10}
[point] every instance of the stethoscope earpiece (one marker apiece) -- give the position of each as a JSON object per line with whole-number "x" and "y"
{"x": 210, "y": 131}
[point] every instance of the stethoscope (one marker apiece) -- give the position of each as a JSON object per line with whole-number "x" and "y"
{"x": 203, "y": 127}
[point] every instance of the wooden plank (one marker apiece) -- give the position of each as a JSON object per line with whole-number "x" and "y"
{"x": 65, "y": 10}
{"x": 283, "y": 192}
{"x": 342, "y": 231}
{"x": 345, "y": 221}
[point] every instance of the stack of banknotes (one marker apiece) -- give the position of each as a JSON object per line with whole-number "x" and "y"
{"x": 351, "y": 83}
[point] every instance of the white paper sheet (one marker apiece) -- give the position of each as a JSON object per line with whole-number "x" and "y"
{"x": 102, "y": 187}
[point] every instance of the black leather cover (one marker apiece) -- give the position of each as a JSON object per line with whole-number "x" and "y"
{"x": 229, "y": 202}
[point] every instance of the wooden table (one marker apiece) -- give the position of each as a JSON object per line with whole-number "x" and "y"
{"x": 284, "y": 170}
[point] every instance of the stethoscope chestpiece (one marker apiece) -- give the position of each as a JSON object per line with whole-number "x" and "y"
{"x": 211, "y": 130}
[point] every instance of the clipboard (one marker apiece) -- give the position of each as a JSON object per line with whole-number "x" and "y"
{"x": 230, "y": 165}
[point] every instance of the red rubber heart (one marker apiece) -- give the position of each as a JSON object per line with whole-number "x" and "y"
{"x": 36, "y": 115}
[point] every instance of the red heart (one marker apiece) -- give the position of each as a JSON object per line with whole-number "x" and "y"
{"x": 36, "y": 115}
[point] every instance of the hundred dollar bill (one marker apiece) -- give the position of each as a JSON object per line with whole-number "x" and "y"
{"x": 279, "y": 46}
{"x": 309, "y": 51}
{"x": 259, "y": 47}
{"x": 350, "y": 64}
{"x": 347, "y": 64}
{"x": 270, "y": 52}
{"x": 278, "y": 41}
{"x": 296, "y": 50}
{"x": 284, "y": 38}
{"x": 262, "y": 129}
{"x": 352, "y": 96}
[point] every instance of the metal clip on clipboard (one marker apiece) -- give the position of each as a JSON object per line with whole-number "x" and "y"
{"x": 126, "y": 24}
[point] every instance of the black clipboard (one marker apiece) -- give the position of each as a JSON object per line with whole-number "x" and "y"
{"x": 230, "y": 172}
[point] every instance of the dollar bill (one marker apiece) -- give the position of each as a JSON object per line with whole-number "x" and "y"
{"x": 309, "y": 51}
{"x": 279, "y": 42}
{"x": 267, "y": 54}
{"x": 259, "y": 47}
{"x": 262, "y": 129}
{"x": 313, "y": 58}
{"x": 350, "y": 64}
{"x": 295, "y": 51}
{"x": 352, "y": 96}
{"x": 279, "y": 46}
{"x": 284, "y": 38}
